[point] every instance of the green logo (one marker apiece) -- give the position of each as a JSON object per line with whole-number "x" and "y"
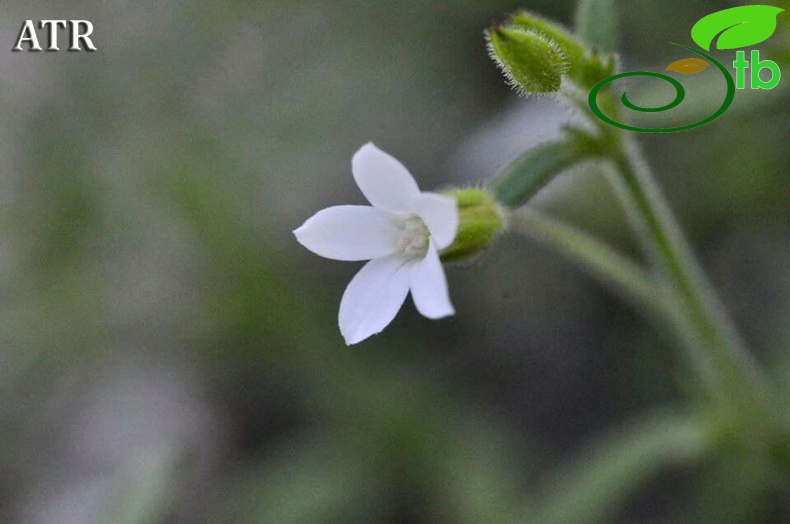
{"x": 736, "y": 27}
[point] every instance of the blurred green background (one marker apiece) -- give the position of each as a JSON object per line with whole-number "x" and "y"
{"x": 169, "y": 353}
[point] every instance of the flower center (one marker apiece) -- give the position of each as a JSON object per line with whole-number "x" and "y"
{"x": 414, "y": 242}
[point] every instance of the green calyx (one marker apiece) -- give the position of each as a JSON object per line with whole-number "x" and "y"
{"x": 480, "y": 220}
{"x": 572, "y": 50}
{"x": 535, "y": 54}
{"x": 531, "y": 62}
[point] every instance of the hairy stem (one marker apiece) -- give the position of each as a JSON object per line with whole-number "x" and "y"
{"x": 719, "y": 355}
{"x": 658, "y": 299}
{"x": 714, "y": 348}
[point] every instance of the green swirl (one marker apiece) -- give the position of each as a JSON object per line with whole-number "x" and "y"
{"x": 679, "y": 96}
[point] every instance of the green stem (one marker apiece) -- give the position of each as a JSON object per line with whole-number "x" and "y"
{"x": 602, "y": 261}
{"x": 714, "y": 349}
{"x": 591, "y": 487}
{"x": 719, "y": 356}
{"x": 658, "y": 299}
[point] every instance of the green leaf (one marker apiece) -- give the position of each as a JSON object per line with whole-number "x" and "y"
{"x": 592, "y": 488}
{"x": 530, "y": 172}
{"x": 595, "y": 24}
{"x": 739, "y": 27}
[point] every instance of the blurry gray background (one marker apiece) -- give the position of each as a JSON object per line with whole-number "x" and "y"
{"x": 168, "y": 352}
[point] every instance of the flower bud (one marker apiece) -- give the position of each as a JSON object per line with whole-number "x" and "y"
{"x": 535, "y": 53}
{"x": 572, "y": 49}
{"x": 531, "y": 61}
{"x": 594, "y": 68}
{"x": 480, "y": 220}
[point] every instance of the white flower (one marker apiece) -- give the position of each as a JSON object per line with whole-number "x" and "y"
{"x": 401, "y": 233}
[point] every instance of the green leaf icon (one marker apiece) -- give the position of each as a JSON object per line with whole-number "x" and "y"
{"x": 739, "y": 27}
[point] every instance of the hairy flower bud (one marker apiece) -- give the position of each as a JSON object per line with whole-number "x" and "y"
{"x": 572, "y": 50}
{"x": 536, "y": 53}
{"x": 530, "y": 61}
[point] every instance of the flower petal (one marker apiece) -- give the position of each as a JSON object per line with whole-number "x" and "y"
{"x": 373, "y": 297}
{"x": 383, "y": 180}
{"x": 350, "y": 233}
{"x": 440, "y": 214}
{"x": 429, "y": 286}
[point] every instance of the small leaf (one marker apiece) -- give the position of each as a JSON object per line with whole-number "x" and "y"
{"x": 688, "y": 66}
{"x": 739, "y": 27}
{"x": 525, "y": 176}
{"x": 592, "y": 487}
